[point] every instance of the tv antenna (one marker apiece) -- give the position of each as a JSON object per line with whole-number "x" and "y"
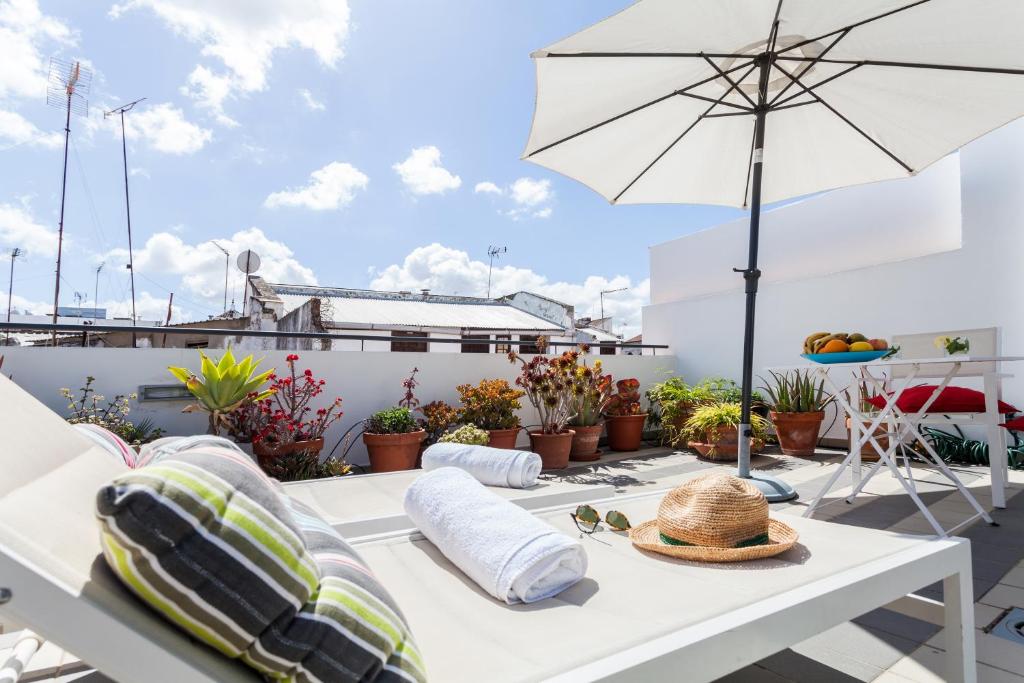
{"x": 127, "y": 204}
{"x": 493, "y": 253}
{"x": 609, "y": 291}
{"x": 67, "y": 85}
{"x": 227, "y": 267}
{"x": 15, "y": 253}
{"x": 96, "y": 291}
{"x": 248, "y": 262}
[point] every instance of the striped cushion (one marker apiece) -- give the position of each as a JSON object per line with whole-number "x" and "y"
{"x": 110, "y": 442}
{"x": 204, "y": 537}
{"x": 168, "y": 445}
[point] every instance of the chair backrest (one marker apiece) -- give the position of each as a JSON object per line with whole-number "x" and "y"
{"x": 51, "y": 562}
{"x": 985, "y": 342}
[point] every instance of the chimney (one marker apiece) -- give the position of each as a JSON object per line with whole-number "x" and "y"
{"x": 425, "y": 292}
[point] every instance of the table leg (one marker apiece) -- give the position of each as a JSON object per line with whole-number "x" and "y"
{"x": 855, "y": 446}
{"x": 958, "y": 595}
{"x": 996, "y": 437}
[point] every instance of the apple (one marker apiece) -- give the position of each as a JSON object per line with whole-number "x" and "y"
{"x": 879, "y": 344}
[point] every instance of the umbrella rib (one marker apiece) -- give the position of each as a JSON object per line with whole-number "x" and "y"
{"x": 681, "y": 136}
{"x": 695, "y": 55}
{"x": 735, "y": 86}
{"x": 914, "y": 65}
{"x": 853, "y": 26}
{"x": 810, "y": 66}
{"x": 750, "y": 162}
{"x": 681, "y": 91}
{"x": 773, "y": 34}
{"x": 743, "y": 110}
{"x": 814, "y": 86}
{"x": 847, "y": 121}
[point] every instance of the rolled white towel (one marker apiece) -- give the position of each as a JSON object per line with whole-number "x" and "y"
{"x": 489, "y": 466}
{"x": 175, "y": 444}
{"x": 507, "y": 551}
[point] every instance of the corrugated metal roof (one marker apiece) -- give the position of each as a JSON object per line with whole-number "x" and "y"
{"x": 364, "y": 312}
{"x": 599, "y": 335}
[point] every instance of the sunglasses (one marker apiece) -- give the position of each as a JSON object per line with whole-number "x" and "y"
{"x": 587, "y": 519}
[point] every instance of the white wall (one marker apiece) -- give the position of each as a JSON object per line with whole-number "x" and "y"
{"x": 844, "y": 261}
{"x": 366, "y": 381}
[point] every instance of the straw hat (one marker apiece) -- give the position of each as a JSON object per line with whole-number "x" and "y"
{"x": 714, "y": 518}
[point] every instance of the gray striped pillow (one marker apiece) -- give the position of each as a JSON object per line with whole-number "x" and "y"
{"x": 204, "y": 538}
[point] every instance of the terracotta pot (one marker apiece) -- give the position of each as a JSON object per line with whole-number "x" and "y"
{"x": 722, "y": 444}
{"x": 267, "y": 453}
{"x": 393, "y": 452}
{"x": 584, "y": 442}
{"x": 502, "y": 438}
{"x": 626, "y": 431}
{"x": 867, "y": 451}
{"x": 672, "y": 430}
{"x": 797, "y": 432}
{"x": 553, "y": 449}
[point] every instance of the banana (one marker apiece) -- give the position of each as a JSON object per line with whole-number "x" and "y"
{"x": 819, "y": 343}
{"x": 809, "y": 341}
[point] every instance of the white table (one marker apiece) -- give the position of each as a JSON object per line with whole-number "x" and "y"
{"x": 877, "y": 376}
{"x": 639, "y": 616}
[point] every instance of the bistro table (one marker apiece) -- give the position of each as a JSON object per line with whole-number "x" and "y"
{"x": 890, "y": 378}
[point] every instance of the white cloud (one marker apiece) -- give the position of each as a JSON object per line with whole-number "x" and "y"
{"x": 209, "y": 92}
{"x": 198, "y": 269}
{"x": 15, "y": 129}
{"x": 543, "y": 213}
{"x": 243, "y": 36}
{"x": 331, "y": 187}
{"x": 19, "y": 229}
{"x": 487, "y": 187}
{"x": 24, "y": 33}
{"x": 139, "y": 171}
{"x": 445, "y": 270}
{"x": 531, "y": 192}
{"x": 164, "y": 128}
{"x": 423, "y": 173}
{"x": 311, "y": 102}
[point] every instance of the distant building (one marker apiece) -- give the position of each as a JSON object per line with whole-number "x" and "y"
{"x": 598, "y": 334}
{"x": 406, "y": 321}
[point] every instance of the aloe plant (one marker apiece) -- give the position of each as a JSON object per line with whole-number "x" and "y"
{"x": 223, "y": 386}
{"x": 796, "y": 392}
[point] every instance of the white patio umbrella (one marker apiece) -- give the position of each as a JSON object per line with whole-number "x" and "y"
{"x": 686, "y": 101}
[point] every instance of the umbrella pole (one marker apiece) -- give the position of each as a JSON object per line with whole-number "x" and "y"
{"x": 774, "y": 489}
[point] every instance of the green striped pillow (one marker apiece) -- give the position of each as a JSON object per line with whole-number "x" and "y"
{"x": 203, "y": 537}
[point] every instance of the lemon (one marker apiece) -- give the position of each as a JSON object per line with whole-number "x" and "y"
{"x": 861, "y": 346}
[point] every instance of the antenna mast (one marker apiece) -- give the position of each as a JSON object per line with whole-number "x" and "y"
{"x": 66, "y": 86}
{"x": 127, "y": 204}
{"x": 492, "y": 253}
{"x": 227, "y": 266}
{"x": 15, "y": 253}
{"x": 96, "y": 292}
{"x": 609, "y": 291}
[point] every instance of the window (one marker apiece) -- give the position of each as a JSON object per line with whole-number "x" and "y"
{"x": 197, "y": 344}
{"x": 475, "y": 348}
{"x": 528, "y": 347}
{"x": 406, "y": 346}
{"x": 607, "y": 349}
{"x": 502, "y": 348}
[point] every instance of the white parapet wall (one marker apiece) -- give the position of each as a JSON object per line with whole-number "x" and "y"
{"x": 367, "y": 382}
{"x": 941, "y": 251}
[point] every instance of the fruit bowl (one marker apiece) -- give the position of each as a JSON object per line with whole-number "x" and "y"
{"x": 845, "y": 356}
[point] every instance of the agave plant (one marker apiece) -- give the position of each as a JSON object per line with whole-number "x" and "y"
{"x": 796, "y": 392}
{"x": 223, "y": 386}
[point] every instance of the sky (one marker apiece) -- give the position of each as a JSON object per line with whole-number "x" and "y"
{"x": 367, "y": 144}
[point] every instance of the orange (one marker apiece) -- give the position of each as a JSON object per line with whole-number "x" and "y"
{"x": 835, "y": 346}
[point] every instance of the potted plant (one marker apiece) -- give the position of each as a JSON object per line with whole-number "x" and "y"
{"x": 675, "y": 400}
{"x": 392, "y": 438}
{"x": 492, "y": 406}
{"x": 590, "y": 390}
{"x": 223, "y": 387}
{"x": 624, "y": 419}
{"x": 92, "y": 408}
{"x": 713, "y": 430}
{"x": 546, "y": 383}
{"x": 796, "y": 407}
{"x": 867, "y": 408}
{"x": 286, "y": 422}
{"x": 467, "y": 434}
{"x": 438, "y": 419}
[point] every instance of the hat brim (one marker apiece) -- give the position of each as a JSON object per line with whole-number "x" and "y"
{"x": 781, "y": 537}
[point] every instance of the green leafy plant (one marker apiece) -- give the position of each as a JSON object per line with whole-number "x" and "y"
{"x": 88, "y": 407}
{"x": 796, "y": 392}
{"x": 492, "y": 404}
{"x": 953, "y": 345}
{"x": 707, "y": 418}
{"x": 302, "y": 465}
{"x": 625, "y": 400}
{"x": 396, "y": 420}
{"x": 467, "y": 434}
{"x": 223, "y": 386}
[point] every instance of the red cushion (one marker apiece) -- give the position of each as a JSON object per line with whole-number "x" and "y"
{"x": 1016, "y": 424}
{"x": 951, "y": 400}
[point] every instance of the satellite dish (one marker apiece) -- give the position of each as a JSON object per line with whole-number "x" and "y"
{"x": 248, "y": 261}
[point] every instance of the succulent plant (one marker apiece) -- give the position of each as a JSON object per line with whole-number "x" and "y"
{"x": 223, "y": 386}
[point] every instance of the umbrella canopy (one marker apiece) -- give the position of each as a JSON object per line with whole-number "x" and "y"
{"x": 654, "y": 104}
{"x": 688, "y": 101}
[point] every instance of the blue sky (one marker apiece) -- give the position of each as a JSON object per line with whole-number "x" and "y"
{"x": 368, "y": 144}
